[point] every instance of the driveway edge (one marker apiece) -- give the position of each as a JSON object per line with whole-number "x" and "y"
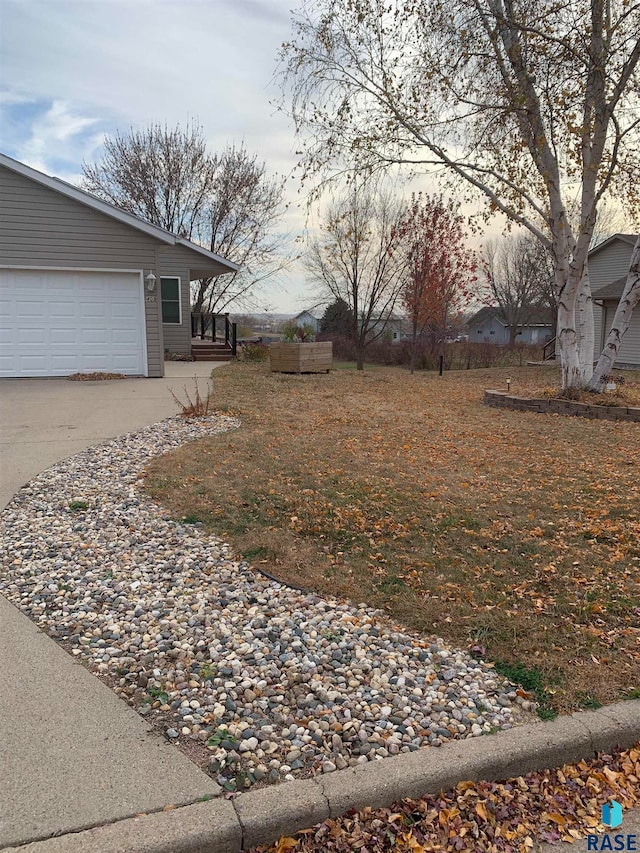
{"x": 262, "y": 816}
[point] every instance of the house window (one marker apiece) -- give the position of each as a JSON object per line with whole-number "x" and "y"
{"x": 492, "y": 333}
{"x": 170, "y": 295}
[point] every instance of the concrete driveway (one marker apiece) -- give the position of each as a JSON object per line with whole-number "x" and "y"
{"x": 45, "y": 420}
{"x": 73, "y": 754}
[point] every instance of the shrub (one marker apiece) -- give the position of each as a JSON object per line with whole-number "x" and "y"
{"x": 297, "y": 334}
{"x": 252, "y": 351}
{"x": 462, "y": 355}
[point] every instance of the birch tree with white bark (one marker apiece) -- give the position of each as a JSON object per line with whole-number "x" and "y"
{"x": 521, "y": 104}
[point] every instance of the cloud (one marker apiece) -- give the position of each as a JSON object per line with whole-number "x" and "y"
{"x": 57, "y": 132}
{"x": 10, "y": 98}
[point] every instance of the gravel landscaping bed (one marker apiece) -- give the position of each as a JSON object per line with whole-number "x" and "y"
{"x": 266, "y": 682}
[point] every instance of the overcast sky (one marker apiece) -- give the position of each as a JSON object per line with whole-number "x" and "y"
{"x": 72, "y": 71}
{"x": 75, "y": 70}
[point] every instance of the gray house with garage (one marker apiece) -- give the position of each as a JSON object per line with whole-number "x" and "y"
{"x": 489, "y": 326}
{"x": 608, "y": 269}
{"x": 87, "y": 287}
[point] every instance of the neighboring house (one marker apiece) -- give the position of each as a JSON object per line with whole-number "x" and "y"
{"x": 393, "y": 328}
{"x": 85, "y": 286}
{"x": 488, "y": 326}
{"x": 608, "y": 269}
{"x": 306, "y": 318}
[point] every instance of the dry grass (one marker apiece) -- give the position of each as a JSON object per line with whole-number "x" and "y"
{"x": 517, "y": 534}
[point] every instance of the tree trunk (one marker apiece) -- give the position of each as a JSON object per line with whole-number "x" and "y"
{"x": 567, "y": 288}
{"x": 360, "y": 358}
{"x": 513, "y": 333}
{"x": 414, "y": 336}
{"x": 585, "y": 328}
{"x": 628, "y": 301}
{"x": 200, "y": 297}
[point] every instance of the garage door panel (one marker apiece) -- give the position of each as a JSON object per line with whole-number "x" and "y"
{"x": 126, "y": 337}
{"x": 90, "y": 337}
{"x": 121, "y": 310}
{"x": 28, "y": 309}
{"x": 36, "y": 363}
{"x": 123, "y": 363}
{"x": 94, "y": 310}
{"x": 54, "y": 322}
{"x": 66, "y": 308}
{"x": 63, "y": 336}
{"x": 33, "y": 335}
{"x": 65, "y": 363}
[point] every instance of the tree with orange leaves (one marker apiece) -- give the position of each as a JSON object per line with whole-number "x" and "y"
{"x": 440, "y": 268}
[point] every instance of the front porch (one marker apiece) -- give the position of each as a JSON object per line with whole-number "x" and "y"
{"x": 213, "y": 337}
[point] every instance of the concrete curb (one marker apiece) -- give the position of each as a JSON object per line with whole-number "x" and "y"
{"x": 261, "y": 817}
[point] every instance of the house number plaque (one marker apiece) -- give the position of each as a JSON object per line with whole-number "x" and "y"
{"x": 150, "y": 298}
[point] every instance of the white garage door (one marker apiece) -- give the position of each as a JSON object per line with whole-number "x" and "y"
{"x": 57, "y": 322}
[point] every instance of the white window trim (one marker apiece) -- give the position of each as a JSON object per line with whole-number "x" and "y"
{"x": 179, "y": 280}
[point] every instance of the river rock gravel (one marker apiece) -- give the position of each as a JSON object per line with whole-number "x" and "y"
{"x": 260, "y": 682}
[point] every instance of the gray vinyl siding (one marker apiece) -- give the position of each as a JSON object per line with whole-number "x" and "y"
{"x": 629, "y": 354}
{"x": 188, "y": 265}
{"x": 177, "y": 338}
{"x": 42, "y": 228}
{"x": 491, "y": 331}
{"x": 609, "y": 264}
{"x": 598, "y": 340}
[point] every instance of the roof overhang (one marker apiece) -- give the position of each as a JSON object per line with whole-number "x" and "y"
{"x": 629, "y": 239}
{"x": 228, "y": 266}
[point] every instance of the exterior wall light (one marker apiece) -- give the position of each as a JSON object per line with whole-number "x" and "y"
{"x": 151, "y": 281}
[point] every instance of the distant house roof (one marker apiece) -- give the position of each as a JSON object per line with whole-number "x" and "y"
{"x": 626, "y": 238}
{"x": 537, "y": 317}
{"x": 111, "y": 210}
{"x": 485, "y": 314}
{"x": 613, "y": 290}
{"x": 309, "y": 314}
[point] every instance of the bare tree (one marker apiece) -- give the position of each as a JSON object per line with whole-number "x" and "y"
{"x": 226, "y": 203}
{"x": 239, "y": 222}
{"x": 163, "y": 175}
{"x": 519, "y": 275}
{"x": 522, "y": 104}
{"x": 354, "y": 260}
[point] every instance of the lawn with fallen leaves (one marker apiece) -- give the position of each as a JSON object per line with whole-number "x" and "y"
{"x": 514, "y": 534}
{"x": 485, "y": 817}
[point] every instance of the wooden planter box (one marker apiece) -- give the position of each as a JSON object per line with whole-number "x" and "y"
{"x": 316, "y": 357}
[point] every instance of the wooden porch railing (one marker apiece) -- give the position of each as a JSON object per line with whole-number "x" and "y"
{"x": 549, "y": 350}
{"x": 204, "y": 325}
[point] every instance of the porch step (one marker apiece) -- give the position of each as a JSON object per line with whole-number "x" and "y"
{"x": 211, "y": 352}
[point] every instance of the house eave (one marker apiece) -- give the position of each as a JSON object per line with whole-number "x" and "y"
{"x": 229, "y": 265}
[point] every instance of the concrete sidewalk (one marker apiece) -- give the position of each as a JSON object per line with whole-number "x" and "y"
{"x": 262, "y": 816}
{"x": 73, "y": 755}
